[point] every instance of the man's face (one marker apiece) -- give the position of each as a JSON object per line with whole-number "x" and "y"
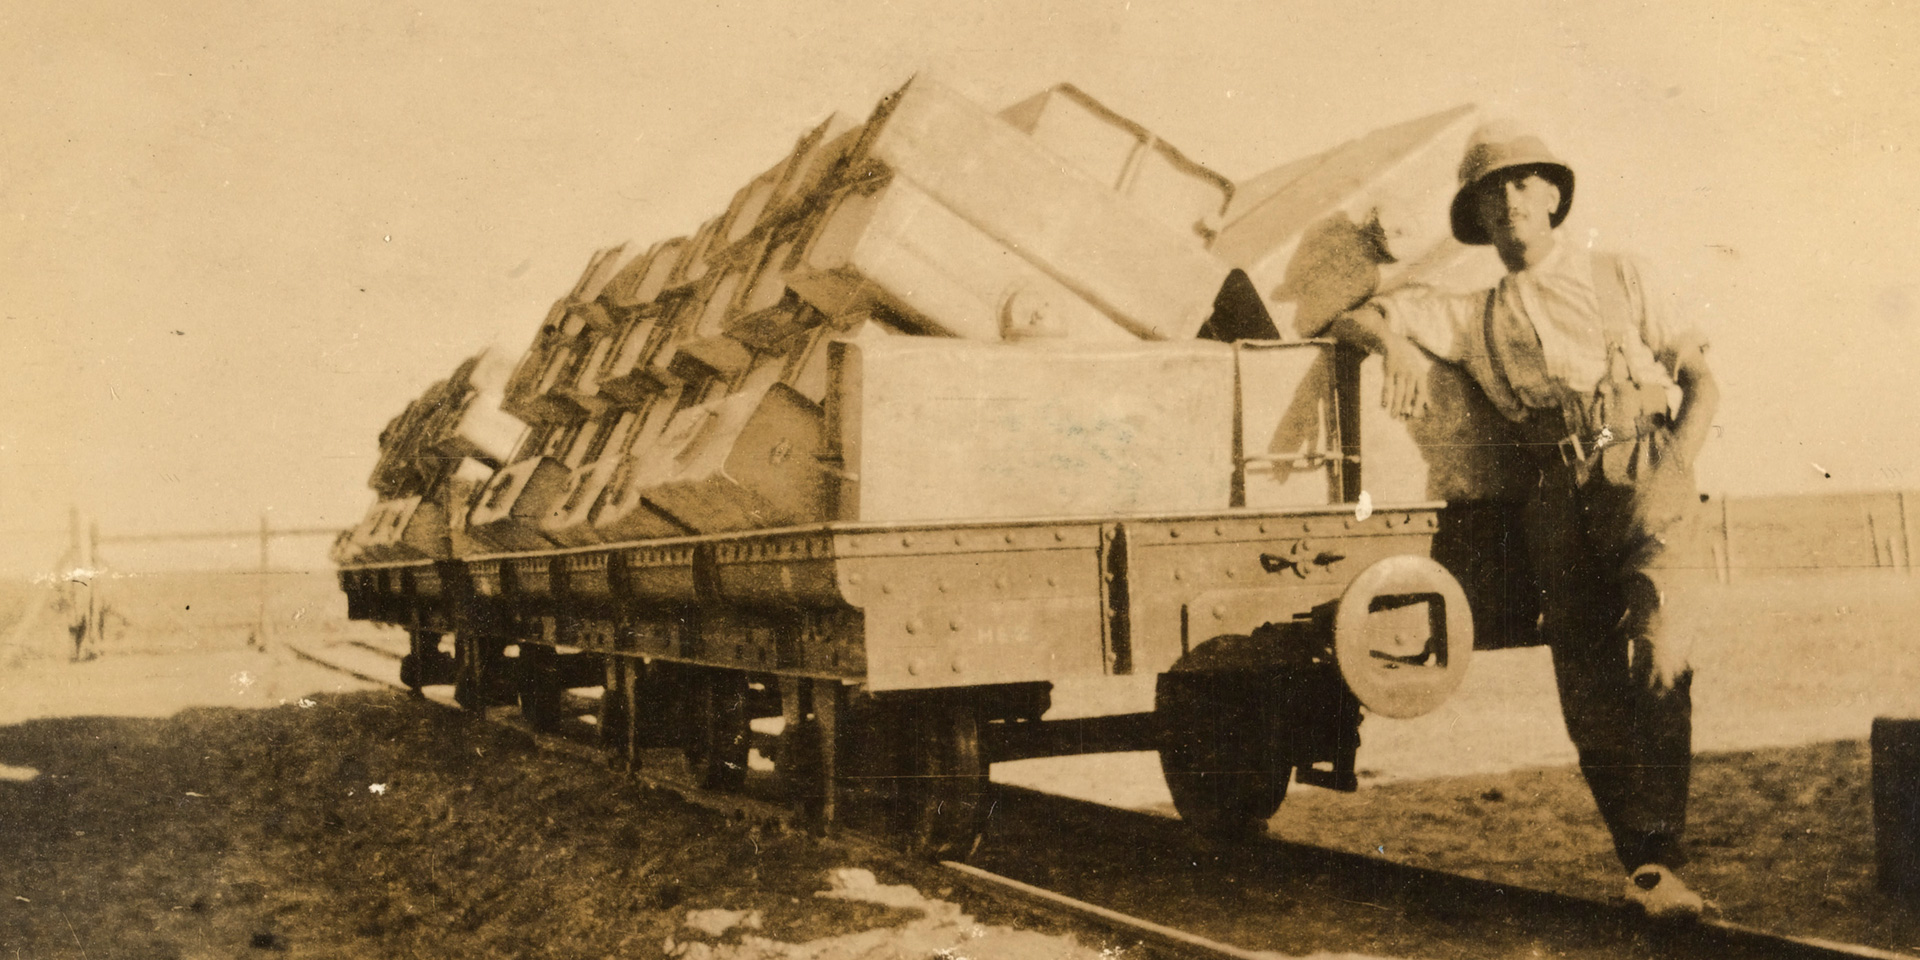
{"x": 1516, "y": 206}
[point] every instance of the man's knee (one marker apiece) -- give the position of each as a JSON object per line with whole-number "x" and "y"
{"x": 1658, "y": 656}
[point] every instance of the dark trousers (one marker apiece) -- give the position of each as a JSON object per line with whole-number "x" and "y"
{"x": 1606, "y": 540}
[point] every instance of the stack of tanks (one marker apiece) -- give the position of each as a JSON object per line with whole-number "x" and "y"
{"x": 946, "y": 314}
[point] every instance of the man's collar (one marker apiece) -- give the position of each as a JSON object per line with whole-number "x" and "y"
{"x": 1556, "y": 258}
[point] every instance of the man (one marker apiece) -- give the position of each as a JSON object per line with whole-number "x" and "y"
{"x": 1612, "y": 400}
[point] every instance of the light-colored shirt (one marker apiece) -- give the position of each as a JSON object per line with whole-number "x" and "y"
{"x": 1541, "y": 346}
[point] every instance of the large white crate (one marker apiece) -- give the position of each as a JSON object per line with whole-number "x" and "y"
{"x": 933, "y": 429}
{"x": 1155, "y": 178}
{"x": 899, "y": 251}
{"x": 1151, "y": 279}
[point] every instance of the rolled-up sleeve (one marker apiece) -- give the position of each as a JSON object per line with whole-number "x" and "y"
{"x": 1667, "y": 330}
{"x": 1440, "y": 321}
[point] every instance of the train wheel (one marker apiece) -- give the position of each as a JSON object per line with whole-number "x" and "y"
{"x": 470, "y": 656}
{"x": 718, "y": 740}
{"x": 808, "y": 758}
{"x": 540, "y": 688}
{"x": 424, "y": 664}
{"x": 1219, "y": 751}
{"x": 798, "y": 756}
{"x": 943, "y": 799}
{"x": 616, "y": 714}
{"x": 410, "y": 670}
{"x": 655, "y": 698}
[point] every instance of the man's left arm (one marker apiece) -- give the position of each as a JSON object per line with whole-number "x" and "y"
{"x": 1681, "y": 346}
{"x": 1700, "y": 400}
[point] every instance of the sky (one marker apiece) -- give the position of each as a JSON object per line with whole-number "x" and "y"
{"x": 237, "y": 237}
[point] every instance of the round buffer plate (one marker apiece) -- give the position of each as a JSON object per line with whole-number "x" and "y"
{"x": 1402, "y": 635}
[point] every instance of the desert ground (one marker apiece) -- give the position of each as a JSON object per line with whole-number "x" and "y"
{"x": 209, "y": 794}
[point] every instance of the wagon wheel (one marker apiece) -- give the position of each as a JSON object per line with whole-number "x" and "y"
{"x": 942, "y": 800}
{"x": 540, "y": 688}
{"x": 1219, "y": 751}
{"x": 475, "y": 660}
{"x": 424, "y": 664}
{"x": 616, "y": 713}
{"x": 718, "y": 738}
{"x": 800, "y": 764}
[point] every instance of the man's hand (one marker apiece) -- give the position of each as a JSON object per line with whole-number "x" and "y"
{"x": 1405, "y": 365}
{"x": 1405, "y": 392}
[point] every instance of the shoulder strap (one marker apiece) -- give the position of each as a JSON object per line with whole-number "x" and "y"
{"x": 1496, "y": 358}
{"x": 1615, "y": 305}
{"x": 1498, "y": 387}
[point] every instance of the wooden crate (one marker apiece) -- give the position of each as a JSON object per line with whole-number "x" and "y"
{"x": 1151, "y": 279}
{"x": 937, "y": 429}
{"x": 1124, "y": 156}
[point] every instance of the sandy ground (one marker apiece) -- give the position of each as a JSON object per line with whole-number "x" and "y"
{"x": 206, "y": 804}
{"x": 160, "y": 686}
{"x": 1790, "y": 674}
{"x": 231, "y": 804}
{"x": 1779, "y": 663}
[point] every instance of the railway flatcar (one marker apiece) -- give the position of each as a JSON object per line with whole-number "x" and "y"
{"x": 962, "y": 437}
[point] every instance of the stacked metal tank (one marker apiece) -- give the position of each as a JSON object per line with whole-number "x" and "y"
{"x": 938, "y": 313}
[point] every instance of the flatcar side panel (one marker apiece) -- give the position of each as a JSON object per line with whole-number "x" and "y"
{"x": 1191, "y": 580}
{"x": 951, "y": 607}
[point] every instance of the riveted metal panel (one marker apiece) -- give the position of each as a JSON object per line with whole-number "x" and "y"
{"x": 530, "y": 576}
{"x": 1116, "y": 605}
{"x": 1216, "y": 613}
{"x": 987, "y": 576}
{"x": 486, "y": 577}
{"x": 661, "y": 574}
{"x": 790, "y": 571}
{"x": 427, "y": 583}
{"x": 892, "y": 540}
{"x": 952, "y": 645}
{"x": 587, "y": 574}
{"x": 1293, "y": 561}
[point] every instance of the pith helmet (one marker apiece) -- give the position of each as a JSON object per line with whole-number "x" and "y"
{"x": 1504, "y": 145}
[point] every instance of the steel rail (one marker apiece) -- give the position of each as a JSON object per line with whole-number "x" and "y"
{"x": 1710, "y": 936}
{"x": 1168, "y": 938}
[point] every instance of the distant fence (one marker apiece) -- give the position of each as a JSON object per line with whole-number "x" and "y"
{"x": 1807, "y": 533}
{"x": 94, "y": 604}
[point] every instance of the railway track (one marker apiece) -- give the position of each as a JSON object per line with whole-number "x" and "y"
{"x": 1062, "y": 858}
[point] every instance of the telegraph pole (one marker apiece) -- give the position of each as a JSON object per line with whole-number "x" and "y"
{"x": 260, "y": 622}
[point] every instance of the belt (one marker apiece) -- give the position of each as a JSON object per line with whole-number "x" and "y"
{"x": 1575, "y": 452}
{"x": 1547, "y": 434}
